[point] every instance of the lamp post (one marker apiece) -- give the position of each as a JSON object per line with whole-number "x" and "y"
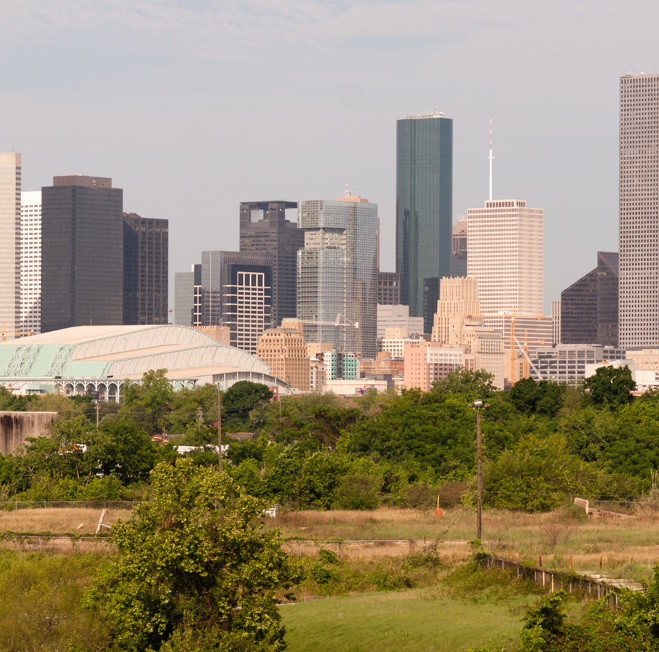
{"x": 478, "y": 404}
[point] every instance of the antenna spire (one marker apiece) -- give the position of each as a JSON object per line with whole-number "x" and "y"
{"x": 490, "y": 157}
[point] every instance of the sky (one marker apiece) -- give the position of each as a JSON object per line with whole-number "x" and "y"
{"x": 193, "y": 107}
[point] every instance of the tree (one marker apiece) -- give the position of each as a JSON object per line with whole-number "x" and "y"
{"x": 537, "y": 475}
{"x": 194, "y": 570}
{"x": 470, "y": 383}
{"x": 148, "y": 404}
{"x": 124, "y": 450}
{"x": 531, "y": 397}
{"x": 610, "y": 386}
{"x": 240, "y": 399}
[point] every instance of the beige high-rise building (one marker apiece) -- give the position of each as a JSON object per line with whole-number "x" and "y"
{"x": 639, "y": 211}
{"x": 283, "y": 350}
{"x": 505, "y": 254}
{"x": 10, "y": 243}
{"x": 486, "y": 346}
{"x": 458, "y": 305}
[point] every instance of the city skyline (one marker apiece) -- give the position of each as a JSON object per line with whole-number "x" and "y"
{"x": 199, "y": 124}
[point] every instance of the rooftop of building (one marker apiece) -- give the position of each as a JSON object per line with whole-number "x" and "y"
{"x": 424, "y": 116}
{"x": 82, "y": 180}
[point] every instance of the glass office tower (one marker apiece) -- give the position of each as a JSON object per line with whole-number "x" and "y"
{"x": 424, "y": 210}
{"x": 146, "y": 270}
{"x": 338, "y": 274}
{"x": 82, "y": 253}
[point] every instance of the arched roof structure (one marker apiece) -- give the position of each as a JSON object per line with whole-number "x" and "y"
{"x": 103, "y": 355}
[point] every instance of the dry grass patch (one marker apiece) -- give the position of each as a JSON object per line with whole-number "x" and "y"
{"x": 62, "y": 520}
{"x": 628, "y": 548}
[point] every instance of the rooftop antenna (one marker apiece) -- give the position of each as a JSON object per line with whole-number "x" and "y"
{"x": 490, "y": 157}
{"x": 347, "y": 194}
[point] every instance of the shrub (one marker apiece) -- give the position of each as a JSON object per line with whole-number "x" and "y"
{"x": 420, "y": 496}
{"x": 358, "y": 491}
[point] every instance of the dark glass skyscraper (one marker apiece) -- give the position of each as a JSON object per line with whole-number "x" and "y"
{"x": 82, "y": 253}
{"x": 146, "y": 255}
{"x": 265, "y": 229}
{"x": 589, "y": 307}
{"x": 424, "y": 210}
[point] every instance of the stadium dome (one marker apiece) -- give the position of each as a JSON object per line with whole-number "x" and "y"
{"x": 100, "y": 358}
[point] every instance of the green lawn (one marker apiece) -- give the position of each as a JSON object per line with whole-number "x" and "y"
{"x": 404, "y": 621}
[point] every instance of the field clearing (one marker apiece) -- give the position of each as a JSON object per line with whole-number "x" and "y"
{"x": 628, "y": 548}
{"x": 405, "y": 621}
{"x": 56, "y": 520}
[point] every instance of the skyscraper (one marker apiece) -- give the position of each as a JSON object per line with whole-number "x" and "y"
{"x": 424, "y": 210}
{"x": 10, "y": 238}
{"x": 459, "y": 252}
{"x": 237, "y": 292}
{"x": 338, "y": 274}
{"x": 505, "y": 245}
{"x": 187, "y": 297}
{"x": 146, "y": 256}
{"x": 388, "y": 289}
{"x": 265, "y": 229}
{"x": 639, "y": 211}
{"x": 82, "y": 262}
{"x": 589, "y": 307}
{"x": 30, "y": 321}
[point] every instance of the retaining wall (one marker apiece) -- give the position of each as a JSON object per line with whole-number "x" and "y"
{"x": 16, "y": 427}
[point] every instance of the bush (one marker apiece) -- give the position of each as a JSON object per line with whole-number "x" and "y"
{"x": 420, "y": 496}
{"x": 358, "y": 492}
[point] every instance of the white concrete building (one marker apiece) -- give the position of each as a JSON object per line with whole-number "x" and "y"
{"x": 639, "y": 217}
{"x": 390, "y": 316}
{"x": 10, "y": 238}
{"x": 505, "y": 254}
{"x": 30, "y": 298}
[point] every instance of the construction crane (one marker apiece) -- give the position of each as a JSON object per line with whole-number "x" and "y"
{"x": 4, "y": 332}
{"x": 526, "y": 359}
{"x": 513, "y": 341}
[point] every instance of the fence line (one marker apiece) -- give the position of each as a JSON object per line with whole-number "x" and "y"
{"x": 557, "y": 580}
{"x": 13, "y": 505}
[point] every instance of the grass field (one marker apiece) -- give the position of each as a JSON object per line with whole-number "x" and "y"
{"x": 405, "y": 621}
{"x": 628, "y": 548}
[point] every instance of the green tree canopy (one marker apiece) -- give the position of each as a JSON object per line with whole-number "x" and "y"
{"x": 470, "y": 383}
{"x": 610, "y": 386}
{"x": 240, "y": 399}
{"x": 544, "y": 397}
{"x": 194, "y": 569}
{"x": 148, "y": 403}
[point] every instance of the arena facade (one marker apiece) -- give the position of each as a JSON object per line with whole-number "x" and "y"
{"x": 100, "y": 359}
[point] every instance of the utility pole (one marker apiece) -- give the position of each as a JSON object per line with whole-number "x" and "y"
{"x": 219, "y": 428}
{"x": 478, "y": 404}
{"x": 98, "y": 408}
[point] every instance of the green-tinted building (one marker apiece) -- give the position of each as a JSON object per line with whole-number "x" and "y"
{"x": 337, "y": 288}
{"x": 424, "y": 210}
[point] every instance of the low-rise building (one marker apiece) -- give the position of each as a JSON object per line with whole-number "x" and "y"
{"x": 393, "y": 316}
{"x": 566, "y": 363}
{"x": 355, "y": 386}
{"x": 317, "y": 375}
{"x": 283, "y": 350}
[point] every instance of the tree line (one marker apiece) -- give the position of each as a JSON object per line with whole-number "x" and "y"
{"x": 543, "y": 443}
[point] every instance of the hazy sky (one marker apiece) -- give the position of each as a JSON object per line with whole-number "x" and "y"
{"x": 192, "y": 107}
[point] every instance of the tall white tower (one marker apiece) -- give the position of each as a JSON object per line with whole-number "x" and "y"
{"x": 10, "y": 238}
{"x": 30, "y": 306}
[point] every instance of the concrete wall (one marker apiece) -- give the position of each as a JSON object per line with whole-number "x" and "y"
{"x": 16, "y": 427}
